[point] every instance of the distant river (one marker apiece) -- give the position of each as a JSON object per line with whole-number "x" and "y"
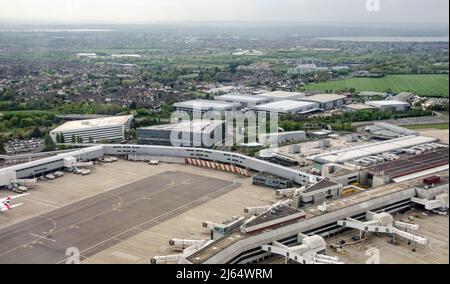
{"x": 388, "y": 38}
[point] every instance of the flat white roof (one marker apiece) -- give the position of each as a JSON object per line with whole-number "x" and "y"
{"x": 386, "y": 103}
{"x": 242, "y": 98}
{"x": 206, "y": 104}
{"x": 206, "y": 126}
{"x": 323, "y": 98}
{"x": 93, "y": 123}
{"x": 285, "y": 106}
{"x": 282, "y": 133}
{"x": 282, "y": 95}
{"x": 342, "y": 156}
{"x": 359, "y": 106}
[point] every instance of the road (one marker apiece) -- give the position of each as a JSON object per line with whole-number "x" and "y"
{"x": 408, "y": 121}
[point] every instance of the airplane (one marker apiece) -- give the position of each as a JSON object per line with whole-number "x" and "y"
{"x": 5, "y": 203}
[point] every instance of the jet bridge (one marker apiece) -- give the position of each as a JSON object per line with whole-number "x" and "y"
{"x": 308, "y": 252}
{"x": 383, "y": 223}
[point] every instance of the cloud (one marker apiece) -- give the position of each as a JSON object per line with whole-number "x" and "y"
{"x": 226, "y": 10}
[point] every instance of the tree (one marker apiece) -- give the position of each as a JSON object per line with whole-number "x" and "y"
{"x": 74, "y": 139}
{"x": 132, "y": 134}
{"x": 26, "y": 122}
{"x": 36, "y": 133}
{"x": 49, "y": 144}
{"x": 79, "y": 140}
{"x": 91, "y": 140}
{"x": 61, "y": 138}
{"x": 15, "y": 121}
{"x": 133, "y": 105}
{"x": 2, "y": 148}
{"x": 58, "y": 138}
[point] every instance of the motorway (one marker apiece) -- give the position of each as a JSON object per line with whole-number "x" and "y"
{"x": 98, "y": 222}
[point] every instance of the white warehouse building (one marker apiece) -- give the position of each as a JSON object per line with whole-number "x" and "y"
{"x": 326, "y": 101}
{"x": 288, "y": 107}
{"x": 246, "y": 101}
{"x": 282, "y": 95}
{"x": 205, "y": 106}
{"x": 389, "y": 105}
{"x": 282, "y": 137}
{"x": 110, "y": 128}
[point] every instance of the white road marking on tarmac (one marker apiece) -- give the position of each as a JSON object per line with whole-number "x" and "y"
{"x": 42, "y": 237}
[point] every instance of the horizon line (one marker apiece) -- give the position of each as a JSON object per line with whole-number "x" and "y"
{"x": 53, "y": 21}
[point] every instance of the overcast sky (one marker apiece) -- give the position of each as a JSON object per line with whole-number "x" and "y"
{"x": 416, "y": 11}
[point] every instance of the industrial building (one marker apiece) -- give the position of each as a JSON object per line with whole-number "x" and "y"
{"x": 196, "y": 133}
{"x": 404, "y": 97}
{"x": 386, "y": 131}
{"x": 282, "y": 95}
{"x": 358, "y": 107}
{"x": 246, "y": 101}
{"x": 282, "y": 137}
{"x": 288, "y": 107}
{"x": 110, "y": 128}
{"x": 326, "y": 101}
{"x": 205, "y": 106}
{"x": 389, "y": 105}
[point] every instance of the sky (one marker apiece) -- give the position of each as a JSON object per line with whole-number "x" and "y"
{"x": 132, "y": 11}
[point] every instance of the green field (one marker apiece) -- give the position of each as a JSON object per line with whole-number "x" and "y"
{"x": 424, "y": 85}
{"x": 428, "y": 126}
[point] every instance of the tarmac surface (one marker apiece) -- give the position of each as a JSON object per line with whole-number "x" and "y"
{"x": 96, "y": 223}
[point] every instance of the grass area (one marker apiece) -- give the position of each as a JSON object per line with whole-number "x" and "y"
{"x": 25, "y": 111}
{"x": 443, "y": 126}
{"x": 424, "y": 85}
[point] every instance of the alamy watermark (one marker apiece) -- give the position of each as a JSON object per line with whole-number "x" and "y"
{"x": 373, "y": 5}
{"x": 73, "y": 255}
